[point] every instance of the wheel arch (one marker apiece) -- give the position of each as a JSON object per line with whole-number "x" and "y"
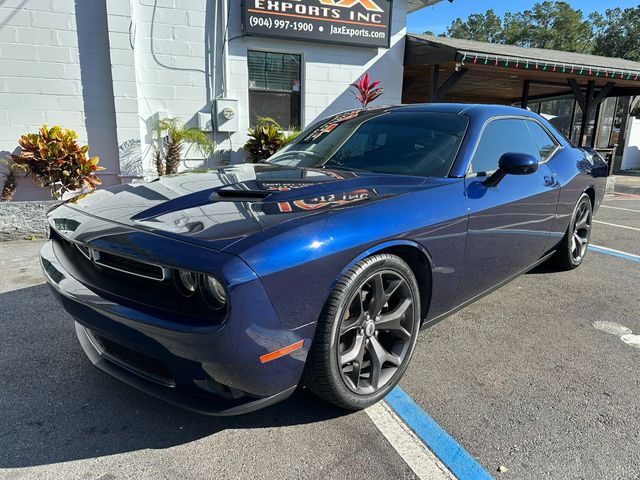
{"x": 418, "y": 259}
{"x": 591, "y": 192}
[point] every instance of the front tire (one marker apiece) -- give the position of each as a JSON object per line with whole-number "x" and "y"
{"x": 574, "y": 245}
{"x": 366, "y": 334}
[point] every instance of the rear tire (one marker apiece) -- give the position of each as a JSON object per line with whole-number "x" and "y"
{"x": 574, "y": 245}
{"x": 366, "y": 334}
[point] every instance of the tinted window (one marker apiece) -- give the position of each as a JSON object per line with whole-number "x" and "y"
{"x": 546, "y": 145}
{"x": 383, "y": 141}
{"x": 500, "y": 137}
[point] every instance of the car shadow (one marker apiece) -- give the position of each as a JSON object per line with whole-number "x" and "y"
{"x": 57, "y": 407}
{"x": 544, "y": 269}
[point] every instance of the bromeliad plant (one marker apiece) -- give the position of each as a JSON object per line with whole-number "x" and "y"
{"x": 54, "y": 159}
{"x": 172, "y": 135}
{"x": 267, "y": 138}
{"x": 365, "y": 91}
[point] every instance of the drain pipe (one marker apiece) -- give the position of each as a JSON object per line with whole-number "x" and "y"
{"x": 214, "y": 51}
{"x": 225, "y": 47}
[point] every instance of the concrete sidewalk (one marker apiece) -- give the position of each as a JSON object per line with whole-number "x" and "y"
{"x": 628, "y": 182}
{"x": 20, "y": 265}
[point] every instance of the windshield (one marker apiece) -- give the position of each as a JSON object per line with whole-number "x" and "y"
{"x": 381, "y": 141}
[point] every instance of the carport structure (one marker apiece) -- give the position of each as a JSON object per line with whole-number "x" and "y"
{"x": 441, "y": 69}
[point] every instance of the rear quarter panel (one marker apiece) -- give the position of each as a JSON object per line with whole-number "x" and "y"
{"x": 577, "y": 171}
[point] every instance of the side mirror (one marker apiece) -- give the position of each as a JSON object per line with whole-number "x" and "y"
{"x": 518, "y": 164}
{"x": 513, "y": 164}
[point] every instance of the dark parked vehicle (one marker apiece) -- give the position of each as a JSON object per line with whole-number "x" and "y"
{"x": 221, "y": 291}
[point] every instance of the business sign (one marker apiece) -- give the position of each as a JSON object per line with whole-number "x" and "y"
{"x": 365, "y": 23}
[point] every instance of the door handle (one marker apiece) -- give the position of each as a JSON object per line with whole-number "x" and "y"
{"x": 549, "y": 180}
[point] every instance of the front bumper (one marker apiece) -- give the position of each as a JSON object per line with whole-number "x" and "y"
{"x": 208, "y": 369}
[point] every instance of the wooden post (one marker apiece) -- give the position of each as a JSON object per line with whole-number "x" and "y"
{"x": 524, "y": 102}
{"x": 622, "y": 138}
{"x": 435, "y": 81}
{"x": 586, "y": 113}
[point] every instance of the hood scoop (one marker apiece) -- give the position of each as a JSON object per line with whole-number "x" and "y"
{"x": 235, "y": 195}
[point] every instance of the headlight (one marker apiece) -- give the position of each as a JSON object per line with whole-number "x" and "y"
{"x": 213, "y": 292}
{"x": 187, "y": 282}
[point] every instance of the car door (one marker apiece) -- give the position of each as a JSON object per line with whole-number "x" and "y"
{"x": 509, "y": 223}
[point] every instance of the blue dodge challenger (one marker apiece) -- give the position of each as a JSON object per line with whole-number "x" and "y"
{"x": 223, "y": 290}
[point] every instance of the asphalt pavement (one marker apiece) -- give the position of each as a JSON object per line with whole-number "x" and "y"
{"x": 521, "y": 379}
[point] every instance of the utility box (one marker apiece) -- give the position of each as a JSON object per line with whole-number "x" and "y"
{"x": 225, "y": 115}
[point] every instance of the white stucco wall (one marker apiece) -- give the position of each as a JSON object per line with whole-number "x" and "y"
{"x": 54, "y": 59}
{"x": 106, "y": 68}
{"x": 176, "y": 76}
{"x": 631, "y": 156}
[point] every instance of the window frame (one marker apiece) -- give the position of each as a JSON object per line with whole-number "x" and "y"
{"x": 551, "y": 137}
{"x": 470, "y": 173}
{"x": 303, "y": 79}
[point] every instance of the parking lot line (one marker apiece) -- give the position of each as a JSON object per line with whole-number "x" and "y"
{"x": 456, "y": 459}
{"x": 616, "y": 225}
{"x": 615, "y": 253}
{"x": 415, "y": 454}
{"x": 620, "y": 208}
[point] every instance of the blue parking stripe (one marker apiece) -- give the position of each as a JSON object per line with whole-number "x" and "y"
{"x": 450, "y": 453}
{"x": 614, "y": 253}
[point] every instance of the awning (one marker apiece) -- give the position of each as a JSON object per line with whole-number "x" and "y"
{"x": 413, "y": 5}
{"x": 496, "y": 73}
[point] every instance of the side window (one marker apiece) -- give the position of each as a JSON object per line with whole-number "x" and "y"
{"x": 509, "y": 135}
{"x": 546, "y": 145}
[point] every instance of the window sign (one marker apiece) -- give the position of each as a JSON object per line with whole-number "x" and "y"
{"x": 365, "y": 23}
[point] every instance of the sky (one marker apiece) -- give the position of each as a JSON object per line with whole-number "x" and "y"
{"x": 438, "y": 17}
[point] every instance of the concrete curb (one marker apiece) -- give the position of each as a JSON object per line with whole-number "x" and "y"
{"x": 23, "y": 220}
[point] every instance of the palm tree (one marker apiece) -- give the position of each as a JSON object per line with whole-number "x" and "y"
{"x": 174, "y": 135}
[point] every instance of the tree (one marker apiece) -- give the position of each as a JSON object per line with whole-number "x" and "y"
{"x": 554, "y": 25}
{"x": 618, "y": 33}
{"x": 485, "y": 27}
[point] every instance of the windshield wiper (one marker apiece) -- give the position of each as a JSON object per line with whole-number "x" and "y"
{"x": 337, "y": 166}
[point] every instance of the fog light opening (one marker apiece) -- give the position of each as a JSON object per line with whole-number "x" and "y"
{"x": 187, "y": 282}
{"x": 213, "y": 292}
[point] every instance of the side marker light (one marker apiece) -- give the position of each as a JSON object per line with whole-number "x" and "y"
{"x": 267, "y": 357}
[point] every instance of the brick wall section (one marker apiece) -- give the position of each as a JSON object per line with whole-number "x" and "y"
{"x": 54, "y": 63}
{"x": 172, "y": 65}
{"x": 106, "y": 68}
{"x": 121, "y": 34}
{"x": 175, "y": 77}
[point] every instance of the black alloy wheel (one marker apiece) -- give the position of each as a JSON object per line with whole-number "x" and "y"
{"x": 366, "y": 334}
{"x": 375, "y": 332}
{"x": 581, "y": 232}
{"x": 574, "y": 245}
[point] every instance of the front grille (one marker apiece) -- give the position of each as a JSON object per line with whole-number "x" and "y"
{"x": 127, "y": 265}
{"x": 140, "y": 363}
{"x": 133, "y": 283}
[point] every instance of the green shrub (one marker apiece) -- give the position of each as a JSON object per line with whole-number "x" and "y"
{"x": 54, "y": 159}
{"x": 266, "y": 139}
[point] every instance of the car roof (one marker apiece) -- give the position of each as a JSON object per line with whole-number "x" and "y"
{"x": 471, "y": 110}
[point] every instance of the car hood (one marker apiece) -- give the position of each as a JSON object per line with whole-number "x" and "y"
{"x": 219, "y": 207}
